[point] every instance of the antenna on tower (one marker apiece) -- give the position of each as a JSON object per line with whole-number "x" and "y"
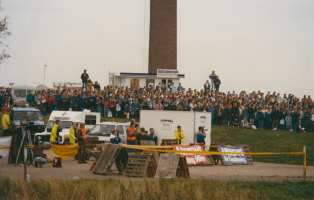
{"x": 45, "y": 66}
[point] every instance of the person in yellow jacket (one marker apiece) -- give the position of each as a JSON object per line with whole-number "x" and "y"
{"x": 179, "y": 135}
{"x": 6, "y": 123}
{"x": 54, "y": 133}
{"x": 72, "y": 133}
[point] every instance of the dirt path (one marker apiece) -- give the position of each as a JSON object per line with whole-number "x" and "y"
{"x": 259, "y": 171}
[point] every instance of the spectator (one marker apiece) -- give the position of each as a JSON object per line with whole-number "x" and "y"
{"x": 159, "y": 106}
{"x": 260, "y": 118}
{"x": 65, "y": 99}
{"x": 206, "y": 85}
{"x": 200, "y": 135}
{"x": 89, "y": 85}
{"x": 288, "y": 120}
{"x": 173, "y": 87}
{"x": 179, "y": 135}
{"x": 114, "y": 137}
{"x": 212, "y": 77}
{"x": 179, "y": 88}
{"x": 131, "y": 136}
{"x": 84, "y": 78}
{"x": 151, "y": 85}
{"x": 142, "y": 135}
{"x": 217, "y": 83}
{"x": 30, "y": 99}
{"x": 152, "y": 135}
{"x": 295, "y": 119}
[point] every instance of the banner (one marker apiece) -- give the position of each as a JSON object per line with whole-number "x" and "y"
{"x": 166, "y": 124}
{"x": 191, "y": 159}
{"x": 167, "y": 73}
{"x": 233, "y": 158}
{"x": 65, "y": 151}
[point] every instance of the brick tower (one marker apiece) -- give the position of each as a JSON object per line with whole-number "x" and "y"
{"x": 162, "y": 35}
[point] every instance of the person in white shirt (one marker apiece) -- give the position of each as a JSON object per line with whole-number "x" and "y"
{"x": 174, "y": 89}
{"x": 151, "y": 85}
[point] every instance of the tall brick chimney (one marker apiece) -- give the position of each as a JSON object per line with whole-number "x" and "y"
{"x": 162, "y": 35}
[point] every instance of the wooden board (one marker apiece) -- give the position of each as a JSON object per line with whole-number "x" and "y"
{"x": 137, "y": 165}
{"x": 50, "y": 155}
{"x": 106, "y": 159}
{"x": 150, "y": 143}
{"x": 167, "y": 165}
{"x": 183, "y": 169}
{"x": 168, "y": 142}
{"x": 248, "y": 156}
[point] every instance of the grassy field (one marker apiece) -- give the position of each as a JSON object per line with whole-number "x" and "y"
{"x": 160, "y": 189}
{"x": 259, "y": 140}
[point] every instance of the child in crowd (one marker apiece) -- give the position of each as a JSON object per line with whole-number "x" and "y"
{"x": 131, "y": 111}
{"x": 288, "y": 120}
{"x": 126, "y": 110}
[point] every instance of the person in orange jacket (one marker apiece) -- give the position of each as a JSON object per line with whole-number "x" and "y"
{"x": 52, "y": 103}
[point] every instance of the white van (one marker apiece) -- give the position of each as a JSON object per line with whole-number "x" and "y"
{"x": 103, "y": 131}
{"x": 66, "y": 118}
{"x": 19, "y": 92}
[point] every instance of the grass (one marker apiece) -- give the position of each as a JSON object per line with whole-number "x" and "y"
{"x": 159, "y": 189}
{"x": 260, "y": 140}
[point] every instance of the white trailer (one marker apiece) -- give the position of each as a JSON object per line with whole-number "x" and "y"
{"x": 165, "y": 124}
{"x": 66, "y": 118}
{"x": 19, "y": 92}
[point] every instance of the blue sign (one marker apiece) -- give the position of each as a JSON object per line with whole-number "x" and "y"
{"x": 233, "y": 158}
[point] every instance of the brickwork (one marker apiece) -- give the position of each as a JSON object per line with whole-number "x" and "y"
{"x": 163, "y": 35}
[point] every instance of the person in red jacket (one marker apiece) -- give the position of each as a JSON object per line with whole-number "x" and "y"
{"x": 52, "y": 103}
{"x": 44, "y": 100}
{"x": 106, "y": 103}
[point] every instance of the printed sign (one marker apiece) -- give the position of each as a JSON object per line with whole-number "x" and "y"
{"x": 168, "y": 73}
{"x": 233, "y": 158}
{"x": 166, "y": 124}
{"x": 191, "y": 159}
{"x": 62, "y": 118}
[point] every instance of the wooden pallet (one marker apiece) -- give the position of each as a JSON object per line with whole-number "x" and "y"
{"x": 183, "y": 169}
{"x": 168, "y": 142}
{"x": 95, "y": 161}
{"x": 137, "y": 165}
{"x": 90, "y": 144}
{"x": 108, "y": 157}
{"x": 150, "y": 143}
{"x": 248, "y": 156}
{"x": 167, "y": 165}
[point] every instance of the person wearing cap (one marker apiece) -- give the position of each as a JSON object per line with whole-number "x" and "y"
{"x": 179, "y": 135}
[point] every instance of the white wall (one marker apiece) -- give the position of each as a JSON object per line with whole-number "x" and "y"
{"x": 186, "y": 119}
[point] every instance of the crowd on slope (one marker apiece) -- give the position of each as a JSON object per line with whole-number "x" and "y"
{"x": 262, "y": 110}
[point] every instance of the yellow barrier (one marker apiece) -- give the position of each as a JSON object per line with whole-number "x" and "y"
{"x": 155, "y": 148}
{"x": 65, "y": 151}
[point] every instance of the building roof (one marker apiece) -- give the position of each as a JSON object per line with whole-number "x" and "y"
{"x": 146, "y": 75}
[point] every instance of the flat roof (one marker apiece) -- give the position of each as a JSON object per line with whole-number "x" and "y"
{"x": 146, "y": 75}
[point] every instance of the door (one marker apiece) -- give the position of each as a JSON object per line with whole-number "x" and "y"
{"x": 135, "y": 83}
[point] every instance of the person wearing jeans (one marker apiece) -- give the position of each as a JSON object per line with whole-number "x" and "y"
{"x": 131, "y": 136}
{"x": 84, "y": 78}
{"x": 38, "y": 153}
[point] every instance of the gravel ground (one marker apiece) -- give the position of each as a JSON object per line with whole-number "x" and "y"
{"x": 258, "y": 171}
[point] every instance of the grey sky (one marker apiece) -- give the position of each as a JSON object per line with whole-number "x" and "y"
{"x": 252, "y": 45}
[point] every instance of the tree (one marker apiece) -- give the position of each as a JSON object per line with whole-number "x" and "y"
{"x": 3, "y": 34}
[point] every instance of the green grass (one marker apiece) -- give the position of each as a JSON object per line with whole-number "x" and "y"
{"x": 260, "y": 140}
{"x": 159, "y": 189}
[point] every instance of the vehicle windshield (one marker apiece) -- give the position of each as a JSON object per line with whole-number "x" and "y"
{"x": 102, "y": 129}
{"x": 63, "y": 124}
{"x": 28, "y": 115}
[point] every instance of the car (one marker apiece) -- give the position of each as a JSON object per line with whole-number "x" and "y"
{"x": 103, "y": 131}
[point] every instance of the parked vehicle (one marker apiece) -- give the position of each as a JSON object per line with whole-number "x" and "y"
{"x": 19, "y": 92}
{"x": 103, "y": 131}
{"x": 31, "y": 115}
{"x": 66, "y": 119}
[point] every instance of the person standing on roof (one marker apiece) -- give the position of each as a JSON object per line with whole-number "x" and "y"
{"x": 212, "y": 77}
{"x": 84, "y": 78}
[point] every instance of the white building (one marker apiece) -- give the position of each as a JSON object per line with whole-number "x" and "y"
{"x": 135, "y": 80}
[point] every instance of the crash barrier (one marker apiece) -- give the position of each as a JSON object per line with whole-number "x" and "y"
{"x": 65, "y": 151}
{"x": 160, "y": 149}
{"x": 5, "y": 146}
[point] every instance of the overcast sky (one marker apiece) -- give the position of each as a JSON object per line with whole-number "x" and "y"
{"x": 252, "y": 45}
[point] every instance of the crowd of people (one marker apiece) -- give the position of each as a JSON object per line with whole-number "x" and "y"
{"x": 245, "y": 110}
